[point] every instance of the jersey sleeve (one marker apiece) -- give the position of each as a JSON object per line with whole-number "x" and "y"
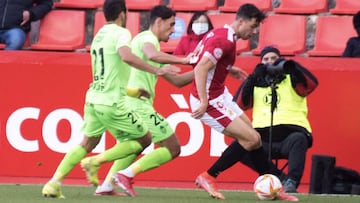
{"x": 215, "y": 48}
{"x": 124, "y": 39}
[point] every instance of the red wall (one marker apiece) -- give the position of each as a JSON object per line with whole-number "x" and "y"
{"x": 42, "y": 95}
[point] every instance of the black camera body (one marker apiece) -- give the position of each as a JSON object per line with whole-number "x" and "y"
{"x": 275, "y": 71}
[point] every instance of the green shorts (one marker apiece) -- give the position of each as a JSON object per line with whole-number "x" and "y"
{"x": 122, "y": 122}
{"x": 157, "y": 124}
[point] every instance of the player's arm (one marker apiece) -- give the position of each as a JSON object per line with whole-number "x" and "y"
{"x": 180, "y": 80}
{"x": 160, "y": 57}
{"x": 238, "y": 73}
{"x": 200, "y": 74}
{"x": 128, "y": 57}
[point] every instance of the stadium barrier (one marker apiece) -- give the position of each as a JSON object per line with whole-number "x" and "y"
{"x": 42, "y": 95}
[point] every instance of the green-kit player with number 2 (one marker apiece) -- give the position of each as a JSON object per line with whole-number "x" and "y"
{"x": 105, "y": 106}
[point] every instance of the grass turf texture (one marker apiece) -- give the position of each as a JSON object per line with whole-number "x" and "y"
{"x": 32, "y": 193}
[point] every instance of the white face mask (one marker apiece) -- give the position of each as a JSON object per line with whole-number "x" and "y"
{"x": 200, "y": 28}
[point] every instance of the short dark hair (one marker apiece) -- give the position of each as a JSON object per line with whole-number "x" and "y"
{"x": 196, "y": 16}
{"x": 112, "y": 9}
{"x": 356, "y": 22}
{"x": 160, "y": 11}
{"x": 249, "y": 11}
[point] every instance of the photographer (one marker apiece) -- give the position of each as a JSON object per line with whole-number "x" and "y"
{"x": 291, "y": 131}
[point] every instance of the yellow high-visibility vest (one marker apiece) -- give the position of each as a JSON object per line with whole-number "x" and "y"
{"x": 291, "y": 108}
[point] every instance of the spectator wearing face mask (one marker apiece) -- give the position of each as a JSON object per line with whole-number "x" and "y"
{"x": 198, "y": 26}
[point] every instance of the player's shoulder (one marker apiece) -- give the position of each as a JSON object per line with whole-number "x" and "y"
{"x": 145, "y": 35}
{"x": 221, "y": 34}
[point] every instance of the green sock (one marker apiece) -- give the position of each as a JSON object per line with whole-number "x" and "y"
{"x": 119, "y": 165}
{"x": 121, "y": 150}
{"x": 154, "y": 159}
{"x": 69, "y": 161}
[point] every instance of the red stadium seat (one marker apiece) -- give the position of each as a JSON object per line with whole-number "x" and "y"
{"x": 286, "y": 32}
{"x": 191, "y": 5}
{"x": 302, "y": 7}
{"x": 181, "y": 22}
{"x": 331, "y": 35}
{"x": 219, "y": 20}
{"x": 142, "y": 4}
{"x": 132, "y": 23}
{"x": 233, "y": 5}
{"x": 62, "y": 30}
{"x": 346, "y": 7}
{"x": 91, "y": 4}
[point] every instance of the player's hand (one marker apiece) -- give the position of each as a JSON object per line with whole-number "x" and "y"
{"x": 144, "y": 93}
{"x": 238, "y": 73}
{"x": 199, "y": 112}
{"x": 168, "y": 69}
{"x": 137, "y": 92}
{"x": 188, "y": 58}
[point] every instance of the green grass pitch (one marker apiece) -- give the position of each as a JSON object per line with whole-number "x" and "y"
{"x": 22, "y": 193}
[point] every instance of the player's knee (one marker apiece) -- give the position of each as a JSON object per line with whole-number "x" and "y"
{"x": 254, "y": 141}
{"x": 173, "y": 145}
{"x": 175, "y": 151}
{"x": 89, "y": 143}
{"x": 145, "y": 141}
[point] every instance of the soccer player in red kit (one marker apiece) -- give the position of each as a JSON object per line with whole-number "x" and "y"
{"x": 210, "y": 100}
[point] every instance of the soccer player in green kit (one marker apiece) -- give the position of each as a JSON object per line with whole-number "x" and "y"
{"x": 146, "y": 45}
{"x": 105, "y": 107}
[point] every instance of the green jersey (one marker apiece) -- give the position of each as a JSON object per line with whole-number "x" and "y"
{"x": 139, "y": 78}
{"x": 110, "y": 73}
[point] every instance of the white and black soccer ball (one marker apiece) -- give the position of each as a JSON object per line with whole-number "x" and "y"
{"x": 267, "y": 187}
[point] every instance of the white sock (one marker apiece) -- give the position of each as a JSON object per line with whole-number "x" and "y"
{"x": 127, "y": 172}
{"x": 55, "y": 181}
{"x": 107, "y": 185}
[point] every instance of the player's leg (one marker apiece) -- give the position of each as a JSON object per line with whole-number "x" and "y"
{"x": 73, "y": 157}
{"x": 222, "y": 112}
{"x": 168, "y": 149}
{"x": 121, "y": 150}
{"x": 249, "y": 140}
{"x": 93, "y": 130}
{"x": 231, "y": 155}
{"x": 108, "y": 186}
{"x": 128, "y": 128}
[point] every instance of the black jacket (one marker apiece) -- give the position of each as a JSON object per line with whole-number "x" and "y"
{"x": 11, "y": 12}
{"x": 302, "y": 80}
{"x": 352, "y": 48}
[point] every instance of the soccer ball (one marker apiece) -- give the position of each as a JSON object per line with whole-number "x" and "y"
{"x": 267, "y": 187}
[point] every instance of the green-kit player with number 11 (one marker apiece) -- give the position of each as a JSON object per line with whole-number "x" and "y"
{"x": 105, "y": 107}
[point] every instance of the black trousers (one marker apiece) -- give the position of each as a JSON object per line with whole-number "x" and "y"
{"x": 288, "y": 142}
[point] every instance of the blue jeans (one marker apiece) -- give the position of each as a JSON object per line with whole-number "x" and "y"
{"x": 13, "y": 38}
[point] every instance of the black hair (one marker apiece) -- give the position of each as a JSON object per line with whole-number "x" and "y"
{"x": 160, "y": 11}
{"x": 112, "y": 9}
{"x": 249, "y": 11}
{"x": 356, "y": 22}
{"x": 196, "y": 16}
